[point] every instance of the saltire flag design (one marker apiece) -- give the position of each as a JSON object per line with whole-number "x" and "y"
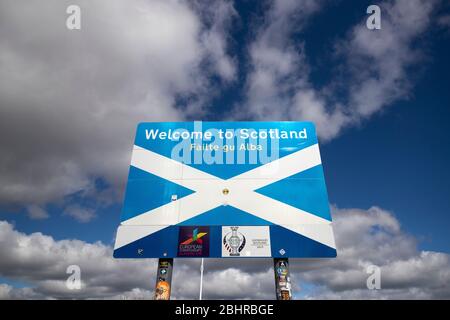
{"x": 287, "y": 193}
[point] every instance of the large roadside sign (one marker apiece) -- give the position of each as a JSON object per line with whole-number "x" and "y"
{"x": 225, "y": 189}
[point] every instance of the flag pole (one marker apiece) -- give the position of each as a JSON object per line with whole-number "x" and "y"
{"x": 201, "y": 280}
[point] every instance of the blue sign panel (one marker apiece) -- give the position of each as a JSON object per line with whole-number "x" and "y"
{"x": 225, "y": 189}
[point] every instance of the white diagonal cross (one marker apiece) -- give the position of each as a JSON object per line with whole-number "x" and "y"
{"x": 208, "y": 195}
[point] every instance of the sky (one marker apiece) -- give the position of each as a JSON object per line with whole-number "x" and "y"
{"x": 70, "y": 101}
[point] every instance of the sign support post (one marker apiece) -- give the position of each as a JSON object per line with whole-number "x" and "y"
{"x": 164, "y": 279}
{"x": 282, "y": 279}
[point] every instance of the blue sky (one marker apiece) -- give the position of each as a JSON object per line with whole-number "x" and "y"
{"x": 397, "y": 160}
{"x": 393, "y": 154}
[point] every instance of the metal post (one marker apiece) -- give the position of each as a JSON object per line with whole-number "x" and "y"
{"x": 201, "y": 281}
{"x": 164, "y": 279}
{"x": 282, "y": 279}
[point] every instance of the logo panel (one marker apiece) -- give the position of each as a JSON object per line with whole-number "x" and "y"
{"x": 246, "y": 241}
{"x": 193, "y": 241}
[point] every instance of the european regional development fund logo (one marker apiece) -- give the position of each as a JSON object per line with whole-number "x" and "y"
{"x": 193, "y": 242}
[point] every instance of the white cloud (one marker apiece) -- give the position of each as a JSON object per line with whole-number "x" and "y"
{"x": 277, "y": 66}
{"x": 36, "y": 212}
{"x": 40, "y": 261}
{"x": 444, "y": 20}
{"x": 364, "y": 237}
{"x": 376, "y": 64}
{"x": 374, "y": 237}
{"x": 9, "y": 292}
{"x": 80, "y": 214}
{"x": 70, "y": 100}
{"x": 379, "y": 60}
{"x": 218, "y": 16}
{"x": 5, "y": 291}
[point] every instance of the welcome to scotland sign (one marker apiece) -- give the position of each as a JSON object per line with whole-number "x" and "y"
{"x": 225, "y": 189}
